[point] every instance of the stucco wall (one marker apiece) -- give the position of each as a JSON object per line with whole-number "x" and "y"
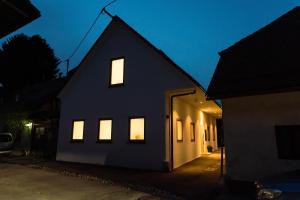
{"x": 249, "y": 130}
{"x": 187, "y": 150}
{"x": 147, "y": 77}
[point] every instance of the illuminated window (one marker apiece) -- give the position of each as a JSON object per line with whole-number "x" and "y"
{"x": 117, "y": 72}
{"x": 137, "y": 129}
{"x": 192, "y": 130}
{"x": 179, "y": 130}
{"x": 77, "y": 131}
{"x": 105, "y": 130}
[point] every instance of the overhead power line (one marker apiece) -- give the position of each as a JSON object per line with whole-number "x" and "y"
{"x": 103, "y": 10}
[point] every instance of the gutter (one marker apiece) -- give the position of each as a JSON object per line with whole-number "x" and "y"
{"x": 171, "y": 122}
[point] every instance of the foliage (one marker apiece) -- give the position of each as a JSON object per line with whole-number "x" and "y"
{"x": 25, "y": 61}
{"x": 16, "y": 123}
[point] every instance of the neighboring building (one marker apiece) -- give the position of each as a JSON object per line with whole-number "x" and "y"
{"x": 257, "y": 80}
{"x": 38, "y": 106}
{"x": 130, "y": 105}
{"x": 14, "y": 14}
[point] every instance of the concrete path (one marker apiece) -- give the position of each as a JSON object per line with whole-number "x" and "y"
{"x": 199, "y": 179}
{"x": 27, "y": 183}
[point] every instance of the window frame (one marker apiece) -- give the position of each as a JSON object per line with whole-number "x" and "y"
{"x": 110, "y": 74}
{"x": 129, "y": 127}
{"x": 72, "y": 131}
{"x": 179, "y": 120}
{"x": 192, "y": 124}
{"x": 98, "y": 133}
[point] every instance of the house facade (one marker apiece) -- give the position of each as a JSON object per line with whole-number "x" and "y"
{"x": 129, "y": 105}
{"x": 257, "y": 80}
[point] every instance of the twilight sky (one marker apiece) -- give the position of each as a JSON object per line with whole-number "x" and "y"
{"x": 191, "y": 32}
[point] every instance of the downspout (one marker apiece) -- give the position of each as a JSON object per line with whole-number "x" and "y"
{"x": 171, "y": 122}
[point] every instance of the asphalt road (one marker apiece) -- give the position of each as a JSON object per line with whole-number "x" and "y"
{"x": 26, "y": 183}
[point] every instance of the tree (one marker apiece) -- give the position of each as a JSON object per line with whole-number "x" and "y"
{"x": 25, "y": 61}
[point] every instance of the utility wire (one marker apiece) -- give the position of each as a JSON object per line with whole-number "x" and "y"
{"x": 103, "y": 10}
{"x": 84, "y": 37}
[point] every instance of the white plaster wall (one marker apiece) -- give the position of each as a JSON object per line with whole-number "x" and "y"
{"x": 250, "y": 141}
{"x": 147, "y": 78}
{"x": 187, "y": 150}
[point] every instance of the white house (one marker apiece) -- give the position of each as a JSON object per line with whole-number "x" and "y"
{"x": 130, "y": 105}
{"x": 257, "y": 80}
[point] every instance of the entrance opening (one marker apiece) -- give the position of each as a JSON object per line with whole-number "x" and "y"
{"x": 198, "y": 127}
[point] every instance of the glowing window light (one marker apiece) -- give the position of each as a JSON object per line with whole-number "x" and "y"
{"x": 105, "y": 129}
{"x": 179, "y": 130}
{"x": 117, "y": 71}
{"x": 78, "y": 127}
{"x": 137, "y": 129}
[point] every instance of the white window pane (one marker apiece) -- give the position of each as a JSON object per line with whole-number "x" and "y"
{"x": 105, "y": 129}
{"x": 137, "y": 129}
{"x": 78, "y": 130}
{"x": 179, "y": 131}
{"x": 117, "y": 71}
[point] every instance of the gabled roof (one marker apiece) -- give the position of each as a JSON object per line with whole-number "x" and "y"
{"x": 15, "y": 14}
{"x": 267, "y": 61}
{"x": 117, "y": 19}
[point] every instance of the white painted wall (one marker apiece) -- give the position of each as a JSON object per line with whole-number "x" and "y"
{"x": 250, "y": 141}
{"x": 87, "y": 96}
{"x": 188, "y": 150}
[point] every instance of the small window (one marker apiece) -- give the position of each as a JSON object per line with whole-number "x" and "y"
{"x": 77, "y": 131}
{"x": 117, "y": 72}
{"x": 137, "y": 129}
{"x": 105, "y": 130}
{"x": 192, "y": 130}
{"x": 179, "y": 131}
{"x": 287, "y": 139}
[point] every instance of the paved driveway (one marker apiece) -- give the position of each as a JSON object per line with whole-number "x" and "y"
{"x": 27, "y": 183}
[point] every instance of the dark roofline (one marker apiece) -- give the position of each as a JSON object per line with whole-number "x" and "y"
{"x": 237, "y": 48}
{"x": 161, "y": 53}
{"x": 249, "y": 37}
{"x": 24, "y": 11}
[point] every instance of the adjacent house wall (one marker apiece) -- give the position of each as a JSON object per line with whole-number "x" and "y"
{"x": 89, "y": 97}
{"x": 187, "y": 150}
{"x": 249, "y": 130}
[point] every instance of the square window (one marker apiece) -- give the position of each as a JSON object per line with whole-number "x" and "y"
{"x": 179, "y": 130}
{"x": 117, "y": 72}
{"x": 105, "y": 130}
{"x": 77, "y": 131}
{"x": 192, "y": 130}
{"x": 137, "y": 129}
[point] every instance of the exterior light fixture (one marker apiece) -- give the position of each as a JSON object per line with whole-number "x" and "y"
{"x": 29, "y": 124}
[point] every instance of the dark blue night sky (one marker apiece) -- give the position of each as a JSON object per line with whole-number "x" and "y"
{"x": 191, "y": 32}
